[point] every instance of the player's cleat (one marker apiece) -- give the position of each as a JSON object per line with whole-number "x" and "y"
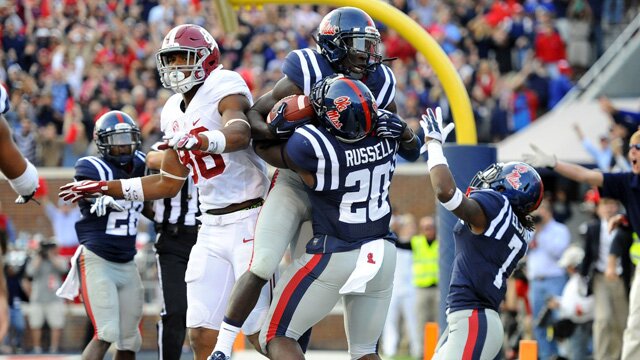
{"x": 219, "y": 355}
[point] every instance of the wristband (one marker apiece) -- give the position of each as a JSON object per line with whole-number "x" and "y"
{"x": 217, "y": 141}
{"x": 236, "y": 120}
{"x": 171, "y": 176}
{"x": 26, "y": 183}
{"x": 436, "y": 156}
{"x": 454, "y": 202}
{"x": 132, "y": 189}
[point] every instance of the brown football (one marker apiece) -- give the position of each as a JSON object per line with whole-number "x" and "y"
{"x": 298, "y": 108}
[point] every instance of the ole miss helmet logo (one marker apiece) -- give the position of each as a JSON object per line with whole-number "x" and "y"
{"x": 342, "y": 103}
{"x": 326, "y": 28}
{"x": 334, "y": 117}
{"x": 514, "y": 177}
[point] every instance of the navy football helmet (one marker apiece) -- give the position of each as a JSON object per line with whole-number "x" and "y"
{"x": 345, "y": 107}
{"x": 117, "y": 137}
{"x": 349, "y": 39}
{"x": 518, "y": 181}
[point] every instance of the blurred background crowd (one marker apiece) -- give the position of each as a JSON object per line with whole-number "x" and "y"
{"x": 66, "y": 62}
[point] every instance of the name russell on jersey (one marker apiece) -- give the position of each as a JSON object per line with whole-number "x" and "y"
{"x": 368, "y": 154}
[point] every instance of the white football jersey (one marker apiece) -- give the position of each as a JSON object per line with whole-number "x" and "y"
{"x": 222, "y": 179}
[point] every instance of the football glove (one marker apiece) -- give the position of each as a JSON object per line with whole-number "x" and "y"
{"x": 390, "y": 125}
{"x": 23, "y": 199}
{"x": 540, "y": 158}
{"x": 101, "y": 204}
{"x": 184, "y": 141}
{"x": 283, "y": 128}
{"x": 74, "y": 191}
{"x": 431, "y": 123}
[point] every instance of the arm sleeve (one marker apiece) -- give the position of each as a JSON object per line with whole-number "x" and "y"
{"x": 383, "y": 85}
{"x": 86, "y": 170}
{"x": 301, "y": 152}
{"x": 292, "y": 68}
{"x": 410, "y": 154}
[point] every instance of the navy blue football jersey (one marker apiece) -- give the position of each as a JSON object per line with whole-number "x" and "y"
{"x": 483, "y": 262}
{"x": 306, "y": 67}
{"x": 112, "y": 236}
{"x": 350, "y": 199}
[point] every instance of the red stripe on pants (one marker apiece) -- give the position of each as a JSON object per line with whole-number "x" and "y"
{"x": 471, "y": 337}
{"x": 287, "y": 292}
{"x": 85, "y": 295}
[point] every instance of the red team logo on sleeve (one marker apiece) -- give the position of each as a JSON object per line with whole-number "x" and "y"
{"x": 514, "y": 177}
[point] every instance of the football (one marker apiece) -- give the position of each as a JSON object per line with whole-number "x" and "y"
{"x": 298, "y": 108}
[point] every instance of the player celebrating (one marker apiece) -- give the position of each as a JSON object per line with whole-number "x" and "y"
{"x": 209, "y": 134}
{"x": 349, "y": 43}
{"x": 491, "y": 236}
{"x": 347, "y": 175}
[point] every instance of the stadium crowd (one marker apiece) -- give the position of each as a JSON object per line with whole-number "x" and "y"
{"x": 65, "y": 63}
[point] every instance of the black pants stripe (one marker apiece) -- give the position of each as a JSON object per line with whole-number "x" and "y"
{"x": 172, "y": 253}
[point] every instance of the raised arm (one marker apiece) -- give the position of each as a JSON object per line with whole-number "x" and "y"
{"x": 444, "y": 186}
{"x": 571, "y": 171}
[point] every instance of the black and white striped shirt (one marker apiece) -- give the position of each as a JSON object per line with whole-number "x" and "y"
{"x": 181, "y": 209}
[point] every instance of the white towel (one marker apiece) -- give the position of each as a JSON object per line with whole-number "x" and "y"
{"x": 71, "y": 285}
{"x": 367, "y": 265}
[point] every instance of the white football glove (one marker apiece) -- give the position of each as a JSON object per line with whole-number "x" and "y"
{"x": 540, "y": 158}
{"x": 431, "y": 123}
{"x": 101, "y": 204}
{"x": 184, "y": 141}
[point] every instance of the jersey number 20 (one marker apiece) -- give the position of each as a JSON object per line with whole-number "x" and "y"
{"x": 373, "y": 192}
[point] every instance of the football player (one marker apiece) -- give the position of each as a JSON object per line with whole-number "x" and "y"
{"x": 23, "y": 178}
{"x": 109, "y": 280}
{"x": 491, "y": 236}
{"x": 347, "y": 174}
{"x": 348, "y": 43}
{"x": 208, "y": 135}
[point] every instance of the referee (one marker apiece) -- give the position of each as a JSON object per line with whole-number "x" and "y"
{"x": 176, "y": 225}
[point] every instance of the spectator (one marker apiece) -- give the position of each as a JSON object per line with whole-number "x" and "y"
{"x": 620, "y": 186}
{"x": 26, "y": 139}
{"x": 560, "y": 85}
{"x": 546, "y": 278}
{"x": 603, "y": 154}
{"x": 575, "y": 309}
{"x": 611, "y": 301}
{"x": 50, "y": 146}
{"x": 63, "y": 217}
{"x": 403, "y": 297}
{"x": 424, "y": 247}
{"x": 549, "y": 46}
{"x": 14, "y": 271}
{"x": 45, "y": 269}
{"x": 578, "y": 44}
{"x": 7, "y": 231}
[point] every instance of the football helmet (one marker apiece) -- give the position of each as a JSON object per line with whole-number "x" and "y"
{"x": 349, "y": 39}
{"x": 116, "y": 129}
{"x": 345, "y": 107}
{"x": 202, "y": 57}
{"x": 518, "y": 181}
